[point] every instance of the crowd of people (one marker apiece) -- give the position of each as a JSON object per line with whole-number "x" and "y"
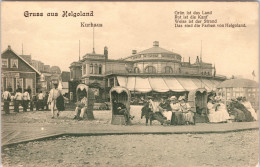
{"x": 242, "y": 110}
{"x": 173, "y": 111}
{"x": 170, "y": 111}
{"x": 40, "y": 101}
{"x": 166, "y": 110}
{"x": 26, "y": 100}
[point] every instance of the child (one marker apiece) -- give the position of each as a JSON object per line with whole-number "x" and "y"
{"x": 148, "y": 113}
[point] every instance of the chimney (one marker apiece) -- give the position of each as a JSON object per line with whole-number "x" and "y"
{"x": 156, "y": 43}
{"x": 134, "y": 52}
{"x": 189, "y": 60}
{"x": 9, "y": 47}
{"x": 106, "y": 52}
{"x": 197, "y": 59}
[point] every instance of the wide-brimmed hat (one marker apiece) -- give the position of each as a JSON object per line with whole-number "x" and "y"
{"x": 217, "y": 98}
{"x": 164, "y": 97}
{"x": 233, "y": 99}
{"x": 173, "y": 98}
{"x": 211, "y": 97}
{"x": 149, "y": 97}
{"x": 181, "y": 98}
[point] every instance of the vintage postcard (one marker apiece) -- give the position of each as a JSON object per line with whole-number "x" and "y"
{"x": 129, "y": 83}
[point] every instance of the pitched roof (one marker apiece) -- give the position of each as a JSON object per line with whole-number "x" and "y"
{"x": 9, "y": 48}
{"x": 236, "y": 83}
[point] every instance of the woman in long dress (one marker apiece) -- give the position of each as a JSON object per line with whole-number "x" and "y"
{"x": 177, "y": 116}
{"x": 249, "y": 107}
{"x": 185, "y": 108}
{"x": 222, "y": 110}
{"x": 212, "y": 114}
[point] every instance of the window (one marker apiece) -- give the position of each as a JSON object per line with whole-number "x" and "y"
{"x": 236, "y": 89}
{"x": 100, "y": 69}
{"x": 229, "y": 89}
{"x": 150, "y": 69}
{"x": 136, "y": 70}
{"x": 91, "y": 69}
{"x": 228, "y": 95}
{"x": 84, "y": 69}
{"x": 168, "y": 70}
{"x": 14, "y": 63}
{"x": 71, "y": 74}
{"x": 19, "y": 83}
{"x": 29, "y": 83}
{"x": 208, "y": 73}
{"x": 10, "y": 83}
{"x": 95, "y": 69}
{"x": 4, "y": 63}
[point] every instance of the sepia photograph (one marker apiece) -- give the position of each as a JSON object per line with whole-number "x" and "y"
{"x": 133, "y": 84}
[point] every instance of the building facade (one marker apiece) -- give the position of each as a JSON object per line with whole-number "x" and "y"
{"x": 239, "y": 87}
{"x": 143, "y": 72}
{"x": 17, "y": 73}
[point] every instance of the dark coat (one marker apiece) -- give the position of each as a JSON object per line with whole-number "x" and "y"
{"x": 60, "y": 103}
{"x": 146, "y": 111}
{"x": 241, "y": 107}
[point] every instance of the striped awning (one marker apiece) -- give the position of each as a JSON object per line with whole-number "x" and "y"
{"x": 165, "y": 84}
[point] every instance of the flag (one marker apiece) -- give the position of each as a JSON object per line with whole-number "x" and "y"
{"x": 253, "y": 73}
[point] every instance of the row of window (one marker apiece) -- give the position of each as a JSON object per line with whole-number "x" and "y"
{"x": 15, "y": 83}
{"x": 93, "y": 69}
{"x": 155, "y": 55}
{"x": 240, "y": 89}
{"x": 5, "y": 64}
{"x": 152, "y": 69}
{"x": 205, "y": 73}
{"x": 237, "y": 94}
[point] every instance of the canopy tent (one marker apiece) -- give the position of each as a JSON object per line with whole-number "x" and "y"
{"x": 174, "y": 85}
{"x": 199, "y": 83}
{"x": 187, "y": 83}
{"x": 165, "y": 84}
{"x": 158, "y": 85}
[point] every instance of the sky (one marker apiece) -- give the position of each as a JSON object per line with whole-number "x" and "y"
{"x": 131, "y": 26}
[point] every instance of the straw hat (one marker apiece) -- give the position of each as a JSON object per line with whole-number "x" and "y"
{"x": 173, "y": 98}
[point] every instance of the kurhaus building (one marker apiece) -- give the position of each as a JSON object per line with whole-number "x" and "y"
{"x": 154, "y": 70}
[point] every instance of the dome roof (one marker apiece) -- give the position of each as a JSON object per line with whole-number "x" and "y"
{"x": 238, "y": 83}
{"x": 155, "y": 49}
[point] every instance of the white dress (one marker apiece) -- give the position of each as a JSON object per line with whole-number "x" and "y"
{"x": 213, "y": 115}
{"x": 249, "y": 107}
{"x": 223, "y": 114}
{"x": 219, "y": 115}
